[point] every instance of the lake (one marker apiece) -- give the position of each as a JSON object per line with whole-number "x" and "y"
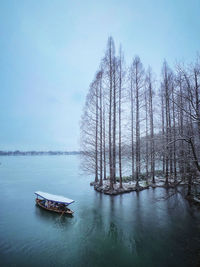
{"x": 125, "y": 230}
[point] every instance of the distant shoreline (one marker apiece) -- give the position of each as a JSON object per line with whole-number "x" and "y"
{"x": 38, "y": 153}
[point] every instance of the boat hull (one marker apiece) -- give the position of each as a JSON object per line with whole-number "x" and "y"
{"x": 66, "y": 212}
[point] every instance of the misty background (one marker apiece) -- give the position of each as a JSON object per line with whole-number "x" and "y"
{"x": 51, "y": 49}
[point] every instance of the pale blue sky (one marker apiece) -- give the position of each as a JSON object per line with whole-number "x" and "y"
{"x": 50, "y": 50}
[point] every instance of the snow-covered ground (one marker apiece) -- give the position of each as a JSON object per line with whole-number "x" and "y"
{"x": 131, "y": 185}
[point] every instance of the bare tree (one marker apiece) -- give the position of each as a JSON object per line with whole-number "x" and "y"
{"x": 119, "y": 107}
{"x": 147, "y": 135}
{"x": 104, "y": 126}
{"x": 132, "y": 100}
{"x": 137, "y": 73}
{"x": 101, "y": 127}
{"x": 151, "y": 116}
{"x": 166, "y": 88}
{"x": 174, "y": 134}
{"x": 89, "y": 131}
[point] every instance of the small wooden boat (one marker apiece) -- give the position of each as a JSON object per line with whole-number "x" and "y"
{"x": 55, "y": 203}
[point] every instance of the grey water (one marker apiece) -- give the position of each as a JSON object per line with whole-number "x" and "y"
{"x": 126, "y": 230}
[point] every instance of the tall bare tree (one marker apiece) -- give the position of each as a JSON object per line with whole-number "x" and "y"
{"x": 137, "y": 74}
{"x": 121, "y": 75}
{"x": 151, "y": 116}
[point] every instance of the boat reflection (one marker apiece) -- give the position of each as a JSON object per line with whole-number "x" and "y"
{"x": 57, "y": 219}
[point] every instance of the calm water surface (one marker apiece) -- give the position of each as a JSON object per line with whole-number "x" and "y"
{"x": 126, "y": 230}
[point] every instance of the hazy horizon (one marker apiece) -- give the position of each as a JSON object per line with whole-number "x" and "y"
{"x": 51, "y": 50}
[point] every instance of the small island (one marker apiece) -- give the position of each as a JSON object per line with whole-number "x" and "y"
{"x": 138, "y": 133}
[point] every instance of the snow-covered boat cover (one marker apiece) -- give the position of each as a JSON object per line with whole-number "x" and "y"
{"x": 55, "y": 198}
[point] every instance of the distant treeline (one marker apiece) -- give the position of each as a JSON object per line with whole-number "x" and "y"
{"x": 36, "y": 153}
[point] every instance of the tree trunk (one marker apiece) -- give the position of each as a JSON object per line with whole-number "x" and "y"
{"x": 132, "y": 133}
{"x": 120, "y": 92}
{"x": 163, "y": 134}
{"x": 152, "y": 146}
{"x": 137, "y": 128}
{"x": 174, "y": 135}
{"x": 101, "y": 133}
{"x": 114, "y": 122}
{"x": 110, "y": 115}
{"x": 96, "y": 138}
{"x": 167, "y": 123}
{"x": 104, "y": 143}
{"x": 147, "y": 138}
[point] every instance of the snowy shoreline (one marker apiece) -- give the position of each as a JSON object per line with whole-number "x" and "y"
{"x": 130, "y": 186}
